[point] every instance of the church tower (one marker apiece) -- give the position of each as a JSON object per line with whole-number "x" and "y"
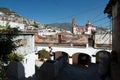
{"x": 89, "y": 24}
{"x": 73, "y": 25}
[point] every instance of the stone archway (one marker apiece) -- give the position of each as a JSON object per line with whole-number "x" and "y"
{"x": 100, "y": 54}
{"x": 84, "y": 59}
{"x": 81, "y": 58}
{"x": 57, "y": 54}
{"x": 75, "y": 58}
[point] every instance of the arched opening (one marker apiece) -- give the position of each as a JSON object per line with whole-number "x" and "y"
{"x": 84, "y": 59}
{"x": 81, "y": 59}
{"x": 100, "y": 54}
{"x": 57, "y": 54}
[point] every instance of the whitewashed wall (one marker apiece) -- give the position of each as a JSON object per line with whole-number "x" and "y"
{"x": 71, "y": 50}
{"x": 103, "y": 38}
{"x": 46, "y": 33}
{"x": 27, "y": 40}
{"x": 29, "y": 65}
{"x": 27, "y": 50}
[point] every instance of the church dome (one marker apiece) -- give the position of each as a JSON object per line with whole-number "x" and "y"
{"x": 89, "y": 24}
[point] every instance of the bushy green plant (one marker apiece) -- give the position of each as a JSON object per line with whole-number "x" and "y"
{"x": 14, "y": 57}
{"x": 42, "y": 54}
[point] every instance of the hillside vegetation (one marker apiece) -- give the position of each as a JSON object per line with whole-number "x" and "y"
{"x": 7, "y": 11}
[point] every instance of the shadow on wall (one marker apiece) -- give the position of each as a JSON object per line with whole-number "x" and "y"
{"x": 103, "y": 59}
{"x": 16, "y": 71}
{"x": 50, "y": 69}
{"x": 57, "y": 54}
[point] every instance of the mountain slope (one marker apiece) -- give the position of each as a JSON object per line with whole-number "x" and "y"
{"x": 65, "y": 26}
{"x": 7, "y": 11}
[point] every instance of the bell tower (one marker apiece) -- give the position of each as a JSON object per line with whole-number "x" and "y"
{"x": 73, "y": 25}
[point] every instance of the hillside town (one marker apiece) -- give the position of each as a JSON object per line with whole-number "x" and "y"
{"x": 78, "y": 36}
{"x": 86, "y": 52}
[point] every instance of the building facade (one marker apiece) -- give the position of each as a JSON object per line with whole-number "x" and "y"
{"x": 87, "y": 29}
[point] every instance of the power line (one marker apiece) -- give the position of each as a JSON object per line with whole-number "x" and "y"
{"x": 99, "y": 19}
{"x": 80, "y": 13}
{"x": 96, "y": 17}
{"x": 109, "y": 37}
{"x": 104, "y": 23}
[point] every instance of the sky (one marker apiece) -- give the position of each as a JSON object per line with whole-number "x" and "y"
{"x": 60, "y": 11}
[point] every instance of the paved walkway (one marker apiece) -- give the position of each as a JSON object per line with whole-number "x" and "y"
{"x": 71, "y": 72}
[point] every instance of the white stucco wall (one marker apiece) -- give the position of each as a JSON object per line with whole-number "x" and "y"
{"x": 29, "y": 65}
{"x": 71, "y": 50}
{"x": 103, "y": 39}
{"x": 46, "y": 33}
{"x": 28, "y": 44}
{"x": 27, "y": 50}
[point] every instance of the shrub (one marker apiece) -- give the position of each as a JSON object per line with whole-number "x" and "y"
{"x": 42, "y": 54}
{"x": 14, "y": 57}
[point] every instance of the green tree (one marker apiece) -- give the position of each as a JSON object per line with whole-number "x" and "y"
{"x": 7, "y": 44}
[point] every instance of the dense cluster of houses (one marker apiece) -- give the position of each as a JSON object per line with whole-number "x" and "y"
{"x": 79, "y": 34}
{"x": 113, "y": 9}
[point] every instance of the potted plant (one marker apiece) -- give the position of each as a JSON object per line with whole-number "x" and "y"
{"x": 42, "y": 54}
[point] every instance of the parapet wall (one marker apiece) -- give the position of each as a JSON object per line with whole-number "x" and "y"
{"x": 50, "y": 69}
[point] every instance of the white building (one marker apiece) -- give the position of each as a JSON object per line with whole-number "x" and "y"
{"x": 27, "y": 42}
{"x": 27, "y": 50}
{"x": 13, "y": 24}
{"x": 78, "y": 30}
{"x": 90, "y": 28}
{"x": 46, "y": 32}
